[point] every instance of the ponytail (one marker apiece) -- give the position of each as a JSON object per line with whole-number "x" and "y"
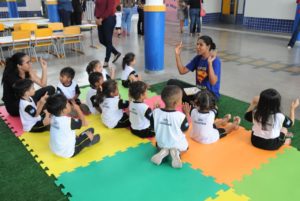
{"x": 11, "y": 65}
{"x": 129, "y": 57}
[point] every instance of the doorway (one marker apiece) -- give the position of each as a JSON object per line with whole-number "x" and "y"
{"x": 231, "y": 9}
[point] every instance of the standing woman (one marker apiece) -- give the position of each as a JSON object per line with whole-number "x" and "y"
{"x": 106, "y": 21}
{"x": 127, "y": 14}
{"x": 76, "y": 17}
{"x": 206, "y": 64}
{"x": 195, "y": 7}
{"x": 19, "y": 67}
{"x": 182, "y": 13}
{"x": 65, "y": 10}
{"x": 90, "y": 7}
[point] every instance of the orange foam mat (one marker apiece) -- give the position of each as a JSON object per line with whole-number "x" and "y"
{"x": 230, "y": 158}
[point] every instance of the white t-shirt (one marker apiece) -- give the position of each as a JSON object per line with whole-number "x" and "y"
{"x": 62, "y": 135}
{"x": 91, "y": 100}
{"x": 111, "y": 112}
{"x": 69, "y": 91}
{"x": 119, "y": 19}
{"x": 169, "y": 127}
{"x": 273, "y": 127}
{"x": 105, "y": 75}
{"x": 203, "y": 127}
{"x": 128, "y": 70}
{"x": 139, "y": 115}
{"x": 27, "y": 110}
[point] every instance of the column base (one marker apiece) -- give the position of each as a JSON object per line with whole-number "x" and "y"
{"x": 154, "y": 72}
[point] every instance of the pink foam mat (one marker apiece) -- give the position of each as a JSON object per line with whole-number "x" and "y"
{"x": 14, "y": 123}
{"x": 157, "y": 99}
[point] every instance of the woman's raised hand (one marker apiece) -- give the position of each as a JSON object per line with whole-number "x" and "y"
{"x": 43, "y": 63}
{"x": 212, "y": 56}
{"x": 178, "y": 48}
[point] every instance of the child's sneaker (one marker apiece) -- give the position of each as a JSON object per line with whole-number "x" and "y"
{"x": 157, "y": 158}
{"x": 95, "y": 140}
{"x": 176, "y": 161}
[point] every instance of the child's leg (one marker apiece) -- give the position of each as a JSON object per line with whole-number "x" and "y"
{"x": 287, "y": 136}
{"x": 123, "y": 122}
{"x": 234, "y": 126}
{"x": 157, "y": 158}
{"x": 145, "y": 133}
{"x": 43, "y": 124}
{"x": 85, "y": 139}
{"x": 223, "y": 121}
{"x": 175, "y": 155}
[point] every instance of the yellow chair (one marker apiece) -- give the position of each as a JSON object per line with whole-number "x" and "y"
{"x": 17, "y": 26}
{"x": 21, "y": 41}
{"x": 28, "y": 26}
{"x": 44, "y": 38}
{"x": 2, "y": 28}
{"x": 72, "y": 36}
{"x": 56, "y": 26}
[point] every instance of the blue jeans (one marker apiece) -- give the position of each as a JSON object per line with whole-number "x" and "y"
{"x": 126, "y": 19}
{"x": 195, "y": 20}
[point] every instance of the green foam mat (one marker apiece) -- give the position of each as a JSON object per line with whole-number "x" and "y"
{"x": 131, "y": 176}
{"x": 275, "y": 181}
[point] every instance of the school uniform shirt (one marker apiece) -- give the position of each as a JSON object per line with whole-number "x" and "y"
{"x": 112, "y": 110}
{"x": 69, "y": 91}
{"x": 91, "y": 100}
{"x": 105, "y": 75}
{"x": 169, "y": 127}
{"x": 128, "y": 70}
{"x": 139, "y": 115}
{"x": 119, "y": 19}
{"x": 201, "y": 66}
{"x": 62, "y": 135}
{"x": 203, "y": 127}
{"x": 27, "y": 110}
{"x": 273, "y": 127}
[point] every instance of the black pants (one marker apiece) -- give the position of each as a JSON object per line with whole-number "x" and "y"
{"x": 145, "y": 133}
{"x": 295, "y": 34}
{"x": 39, "y": 126}
{"x": 65, "y": 17}
{"x": 13, "y": 107}
{"x": 268, "y": 144}
{"x": 140, "y": 23}
{"x": 76, "y": 18}
{"x": 105, "y": 34}
{"x": 123, "y": 122}
{"x": 82, "y": 141}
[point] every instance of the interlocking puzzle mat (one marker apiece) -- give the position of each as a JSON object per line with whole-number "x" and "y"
{"x": 14, "y": 123}
{"x": 112, "y": 141}
{"x": 131, "y": 176}
{"x": 228, "y": 195}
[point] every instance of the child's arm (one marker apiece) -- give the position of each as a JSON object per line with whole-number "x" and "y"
{"x": 249, "y": 116}
{"x": 40, "y": 104}
{"x": 77, "y": 92}
{"x": 123, "y": 104}
{"x": 294, "y": 105}
{"x": 186, "y": 108}
{"x": 79, "y": 112}
{"x": 112, "y": 73}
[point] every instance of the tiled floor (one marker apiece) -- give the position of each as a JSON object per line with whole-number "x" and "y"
{"x": 251, "y": 61}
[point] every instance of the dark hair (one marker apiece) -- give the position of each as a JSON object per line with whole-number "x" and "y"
{"x": 108, "y": 87}
{"x": 11, "y": 65}
{"x": 129, "y": 57}
{"x": 169, "y": 94}
{"x": 118, "y": 8}
{"x": 136, "y": 89}
{"x": 56, "y": 103}
{"x": 205, "y": 100}
{"x": 208, "y": 41}
{"x": 268, "y": 104}
{"x": 90, "y": 67}
{"x": 68, "y": 71}
{"x": 94, "y": 77}
{"x": 21, "y": 86}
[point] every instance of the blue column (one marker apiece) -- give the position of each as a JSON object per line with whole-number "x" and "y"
{"x": 12, "y": 8}
{"x": 154, "y": 22}
{"x": 297, "y": 18}
{"x": 52, "y": 10}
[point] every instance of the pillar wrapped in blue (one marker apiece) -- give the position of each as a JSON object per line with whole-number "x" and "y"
{"x": 154, "y": 22}
{"x": 297, "y": 21}
{"x": 53, "y": 13}
{"x": 12, "y": 8}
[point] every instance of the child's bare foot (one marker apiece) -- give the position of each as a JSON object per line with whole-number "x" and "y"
{"x": 226, "y": 119}
{"x": 236, "y": 122}
{"x": 288, "y": 141}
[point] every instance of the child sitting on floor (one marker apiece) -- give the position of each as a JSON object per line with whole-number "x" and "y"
{"x": 206, "y": 129}
{"x": 140, "y": 114}
{"x": 96, "y": 66}
{"x": 33, "y": 118}
{"x": 69, "y": 87}
{"x": 129, "y": 74}
{"x": 169, "y": 126}
{"x": 63, "y": 140}
{"x": 96, "y": 81}
{"x": 269, "y": 130}
{"x": 112, "y": 106}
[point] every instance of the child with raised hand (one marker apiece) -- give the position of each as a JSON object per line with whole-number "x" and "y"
{"x": 70, "y": 88}
{"x": 33, "y": 118}
{"x": 129, "y": 74}
{"x": 96, "y": 66}
{"x": 63, "y": 140}
{"x": 169, "y": 126}
{"x": 112, "y": 106}
{"x": 269, "y": 130}
{"x": 96, "y": 81}
{"x": 140, "y": 114}
{"x": 206, "y": 129}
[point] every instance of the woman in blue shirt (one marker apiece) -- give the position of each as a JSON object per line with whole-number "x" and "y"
{"x": 206, "y": 64}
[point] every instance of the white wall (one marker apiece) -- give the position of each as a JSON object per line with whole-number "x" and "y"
{"x": 31, "y": 5}
{"x": 212, "y": 6}
{"x": 276, "y": 9}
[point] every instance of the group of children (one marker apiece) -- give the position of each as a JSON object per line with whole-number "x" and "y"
{"x": 167, "y": 124}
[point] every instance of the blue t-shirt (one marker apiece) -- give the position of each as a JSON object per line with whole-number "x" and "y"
{"x": 201, "y": 67}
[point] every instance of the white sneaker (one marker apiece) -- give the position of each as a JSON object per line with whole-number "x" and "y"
{"x": 289, "y": 47}
{"x": 176, "y": 161}
{"x": 157, "y": 158}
